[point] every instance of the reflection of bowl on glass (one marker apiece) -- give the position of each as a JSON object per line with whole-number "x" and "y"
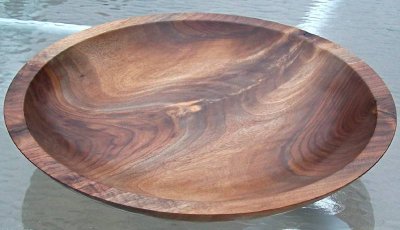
{"x": 200, "y": 114}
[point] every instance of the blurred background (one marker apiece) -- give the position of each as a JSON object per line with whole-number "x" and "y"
{"x": 368, "y": 28}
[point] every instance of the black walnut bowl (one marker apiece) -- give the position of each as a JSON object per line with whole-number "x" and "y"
{"x": 200, "y": 115}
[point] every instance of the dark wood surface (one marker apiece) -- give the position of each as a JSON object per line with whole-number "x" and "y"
{"x": 200, "y": 115}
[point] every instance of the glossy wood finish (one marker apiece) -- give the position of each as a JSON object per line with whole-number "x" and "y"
{"x": 200, "y": 115}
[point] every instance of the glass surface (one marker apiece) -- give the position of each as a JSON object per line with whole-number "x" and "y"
{"x": 30, "y": 200}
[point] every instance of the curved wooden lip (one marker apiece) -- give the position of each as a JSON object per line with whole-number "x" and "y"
{"x": 377, "y": 146}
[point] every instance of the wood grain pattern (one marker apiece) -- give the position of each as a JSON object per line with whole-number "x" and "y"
{"x": 200, "y": 115}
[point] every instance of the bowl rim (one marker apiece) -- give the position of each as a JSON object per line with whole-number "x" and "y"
{"x": 370, "y": 155}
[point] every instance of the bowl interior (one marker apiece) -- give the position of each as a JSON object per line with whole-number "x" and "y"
{"x": 200, "y": 110}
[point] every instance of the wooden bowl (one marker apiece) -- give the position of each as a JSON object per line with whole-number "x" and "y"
{"x": 200, "y": 115}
